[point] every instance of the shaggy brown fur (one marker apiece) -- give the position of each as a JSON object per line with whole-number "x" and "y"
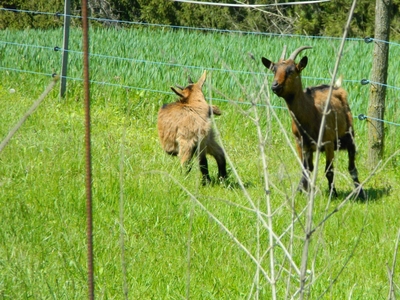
{"x": 184, "y": 128}
{"x": 306, "y": 108}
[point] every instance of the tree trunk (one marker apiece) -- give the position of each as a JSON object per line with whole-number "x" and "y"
{"x": 376, "y": 107}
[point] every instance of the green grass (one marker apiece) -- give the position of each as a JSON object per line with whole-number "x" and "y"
{"x": 173, "y": 247}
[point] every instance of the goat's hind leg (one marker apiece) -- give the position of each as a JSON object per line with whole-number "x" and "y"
{"x": 216, "y": 150}
{"x": 186, "y": 153}
{"x": 351, "y": 149}
{"x": 329, "y": 173}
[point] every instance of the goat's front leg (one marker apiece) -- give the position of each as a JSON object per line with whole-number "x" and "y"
{"x": 308, "y": 166}
{"x": 329, "y": 173}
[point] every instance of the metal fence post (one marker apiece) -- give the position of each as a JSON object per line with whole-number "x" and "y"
{"x": 67, "y": 21}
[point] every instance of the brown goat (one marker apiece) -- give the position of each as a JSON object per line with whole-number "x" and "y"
{"x": 184, "y": 128}
{"x": 306, "y": 108}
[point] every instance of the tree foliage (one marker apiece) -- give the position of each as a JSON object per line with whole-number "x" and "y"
{"x": 311, "y": 19}
{"x": 22, "y": 20}
{"x": 326, "y": 19}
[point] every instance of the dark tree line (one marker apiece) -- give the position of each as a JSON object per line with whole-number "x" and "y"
{"x": 326, "y": 18}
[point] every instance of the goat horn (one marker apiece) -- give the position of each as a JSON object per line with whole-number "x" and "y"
{"x": 283, "y": 53}
{"x": 200, "y": 82}
{"x": 178, "y": 86}
{"x": 190, "y": 79}
{"x": 297, "y": 51}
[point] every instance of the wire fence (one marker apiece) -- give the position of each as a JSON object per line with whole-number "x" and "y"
{"x": 56, "y": 48}
{"x": 108, "y": 82}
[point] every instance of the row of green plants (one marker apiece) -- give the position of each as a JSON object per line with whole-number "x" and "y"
{"x": 174, "y": 247}
{"x": 135, "y": 62}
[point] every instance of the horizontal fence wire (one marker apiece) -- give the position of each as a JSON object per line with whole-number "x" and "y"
{"x": 160, "y": 63}
{"x": 59, "y": 14}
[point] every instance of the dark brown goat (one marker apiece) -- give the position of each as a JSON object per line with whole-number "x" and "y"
{"x": 184, "y": 128}
{"x": 306, "y": 108}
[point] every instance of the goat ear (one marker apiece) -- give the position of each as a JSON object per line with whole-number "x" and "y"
{"x": 176, "y": 92}
{"x": 267, "y": 63}
{"x": 302, "y": 64}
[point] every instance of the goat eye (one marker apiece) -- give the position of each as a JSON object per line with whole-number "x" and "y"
{"x": 289, "y": 71}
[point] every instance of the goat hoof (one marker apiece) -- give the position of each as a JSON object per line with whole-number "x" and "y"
{"x": 362, "y": 195}
{"x": 302, "y": 190}
{"x": 206, "y": 180}
{"x": 221, "y": 179}
{"x": 303, "y": 187}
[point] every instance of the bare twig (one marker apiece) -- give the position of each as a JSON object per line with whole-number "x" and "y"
{"x": 261, "y": 146}
{"x": 122, "y": 210}
{"x": 216, "y": 220}
{"x": 353, "y": 250}
{"x": 378, "y": 168}
{"x": 309, "y": 219}
{"x": 251, "y": 202}
{"x": 29, "y": 112}
{"x": 189, "y": 252}
{"x": 392, "y": 294}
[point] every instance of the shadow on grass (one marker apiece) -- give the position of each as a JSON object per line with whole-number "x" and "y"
{"x": 373, "y": 194}
{"x": 230, "y": 183}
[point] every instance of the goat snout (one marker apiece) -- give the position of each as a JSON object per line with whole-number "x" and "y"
{"x": 276, "y": 87}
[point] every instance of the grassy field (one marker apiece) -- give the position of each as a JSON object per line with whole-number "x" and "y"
{"x": 180, "y": 239}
